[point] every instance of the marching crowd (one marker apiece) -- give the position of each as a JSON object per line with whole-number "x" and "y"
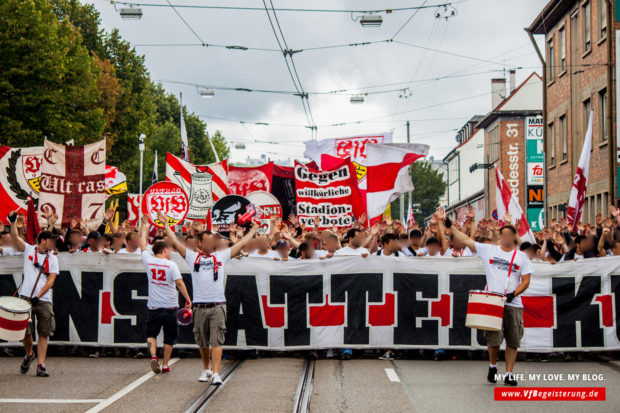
{"x": 289, "y": 240}
{"x": 206, "y": 250}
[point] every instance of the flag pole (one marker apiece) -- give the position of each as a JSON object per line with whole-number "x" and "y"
{"x": 217, "y": 158}
{"x": 141, "y": 149}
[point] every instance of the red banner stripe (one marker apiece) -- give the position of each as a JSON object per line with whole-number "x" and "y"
{"x": 13, "y": 325}
{"x": 485, "y": 309}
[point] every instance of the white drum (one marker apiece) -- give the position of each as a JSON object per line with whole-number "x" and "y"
{"x": 14, "y": 315}
{"x": 485, "y": 310}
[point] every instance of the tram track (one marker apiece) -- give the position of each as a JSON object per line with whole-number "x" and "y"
{"x": 199, "y": 405}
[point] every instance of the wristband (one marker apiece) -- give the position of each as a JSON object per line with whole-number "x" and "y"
{"x": 448, "y": 223}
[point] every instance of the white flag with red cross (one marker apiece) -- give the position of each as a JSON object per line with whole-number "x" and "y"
{"x": 73, "y": 182}
{"x": 580, "y": 182}
{"x": 506, "y": 202}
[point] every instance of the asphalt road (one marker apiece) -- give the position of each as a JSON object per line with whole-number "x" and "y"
{"x": 269, "y": 385}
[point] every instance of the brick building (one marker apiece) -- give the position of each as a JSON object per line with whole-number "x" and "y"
{"x": 509, "y": 131}
{"x": 578, "y": 77}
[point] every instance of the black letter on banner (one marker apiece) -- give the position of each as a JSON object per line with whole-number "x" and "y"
{"x": 242, "y": 293}
{"x": 460, "y": 284}
{"x": 571, "y": 307}
{"x": 410, "y": 309}
{"x": 84, "y": 311}
{"x": 124, "y": 284}
{"x": 7, "y": 285}
{"x": 353, "y": 289}
{"x": 615, "y": 291}
{"x": 299, "y": 291}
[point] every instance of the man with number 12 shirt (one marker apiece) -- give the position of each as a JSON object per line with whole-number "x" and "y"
{"x": 164, "y": 279}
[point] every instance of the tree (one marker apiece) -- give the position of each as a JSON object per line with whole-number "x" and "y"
{"x": 48, "y": 81}
{"x": 429, "y": 187}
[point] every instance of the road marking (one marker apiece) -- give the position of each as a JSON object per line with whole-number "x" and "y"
{"x": 125, "y": 390}
{"x": 392, "y": 375}
{"x": 52, "y": 401}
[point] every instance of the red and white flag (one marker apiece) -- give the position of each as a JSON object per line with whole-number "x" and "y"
{"x": 580, "y": 182}
{"x": 410, "y": 217}
{"x": 133, "y": 208}
{"x": 20, "y": 177}
{"x": 505, "y": 201}
{"x": 73, "y": 182}
{"x": 388, "y": 173}
{"x": 203, "y": 184}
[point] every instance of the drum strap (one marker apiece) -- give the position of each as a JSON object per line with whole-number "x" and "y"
{"x": 514, "y": 254}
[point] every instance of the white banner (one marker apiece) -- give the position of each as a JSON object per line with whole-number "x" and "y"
{"x": 343, "y": 302}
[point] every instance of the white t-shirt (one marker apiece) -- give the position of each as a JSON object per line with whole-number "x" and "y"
{"x": 344, "y": 251}
{"x": 320, "y": 253}
{"x": 465, "y": 252}
{"x": 7, "y": 251}
{"x": 496, "y": 262}
{"x": 392, "y": 255}
{"x": 270, "y": 254}
{"x": 124, "y": 251}
{"x": 205, "y": 288}
{"x": 405, "y": 251}
{"x": 162, "y": 275}
{"x": 31, "y": 272}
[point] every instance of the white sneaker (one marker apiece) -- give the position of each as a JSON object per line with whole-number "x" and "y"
{"x": 330, "y": 354}
{"x": 216, "y": 380}
{"x": 205, "y": 376}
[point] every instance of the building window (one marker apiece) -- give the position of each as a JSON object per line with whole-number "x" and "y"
{"x": 602, "y": 18}
{"x": 551, "y": 145}
{"x": 602, "y": 101}
{"x": 587, "y": 106}
{"x": 562, "y": 41}
{"x": 550, "y": 61}
{"x": 563, "y": 137}
{"x": 586, "y": 27}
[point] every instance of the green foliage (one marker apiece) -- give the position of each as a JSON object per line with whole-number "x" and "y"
{"x": 429, "y": 187}
{"x": 48, "y": 80}
{"x": 63, "y": 77}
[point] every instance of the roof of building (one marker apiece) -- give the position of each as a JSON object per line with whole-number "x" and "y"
{"x": 549, "y": 16}
{"x": 506, "y": 106}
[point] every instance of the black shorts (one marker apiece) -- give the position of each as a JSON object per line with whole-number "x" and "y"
{"x": 166, "y": 318}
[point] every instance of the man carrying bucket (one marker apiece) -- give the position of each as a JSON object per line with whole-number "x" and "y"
{"x": 164, "y": 278}
{"x": 507, "y": 269}
{"x": 40, "y": 270}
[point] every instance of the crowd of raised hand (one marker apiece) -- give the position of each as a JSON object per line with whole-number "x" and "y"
{"x": 288, "y": 239}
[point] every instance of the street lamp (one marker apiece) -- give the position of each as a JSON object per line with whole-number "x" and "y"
{"x": 371, "y": 20}
{"x": 357, "y": 99}
{"x": 131, "y": 13}
{"x": 207, "y": 93}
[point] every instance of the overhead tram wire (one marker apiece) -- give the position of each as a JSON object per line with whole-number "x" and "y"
{"x": 301, "y": 93}
{"x": 408, "y": 20}
{"x": 196, "y": 6}
{"x": 185, "y": 22}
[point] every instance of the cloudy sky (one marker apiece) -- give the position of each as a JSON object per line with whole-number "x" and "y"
{"x": 445, "y": 87}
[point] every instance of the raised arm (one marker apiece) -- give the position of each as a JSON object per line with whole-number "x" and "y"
{"x": 236, "y": 249}
{"x": 143, "y": 231}
{"x": 458, "y": 235}
{"x": 13, "y": 219}
{"x": 173, "y": 238}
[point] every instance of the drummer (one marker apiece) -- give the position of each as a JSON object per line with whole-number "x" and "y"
{"x": 497, "y": 260}
{"x": 38, "y": 259}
